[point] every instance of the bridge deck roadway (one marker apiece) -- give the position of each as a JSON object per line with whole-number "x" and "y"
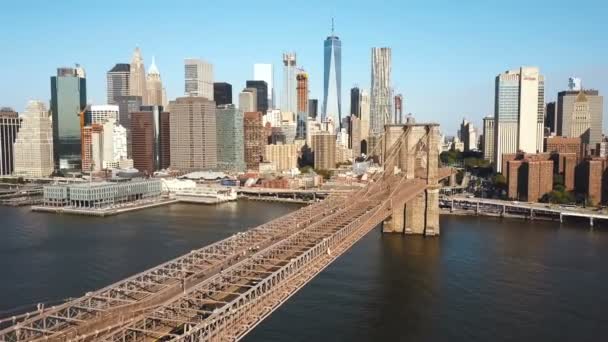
{"x": 221, "y": 291}
{"x": 154, "y": 286}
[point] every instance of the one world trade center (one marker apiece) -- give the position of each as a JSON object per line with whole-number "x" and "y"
{"x": 332, "y": 80}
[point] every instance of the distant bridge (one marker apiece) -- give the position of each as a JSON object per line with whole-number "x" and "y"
{"x": 222, "y": 291}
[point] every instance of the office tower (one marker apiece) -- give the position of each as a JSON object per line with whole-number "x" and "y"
{"x": 114, "y": 144}
{"x": 398, "y": 113}
{"x": 150, "y": 139}
{"x": 164, "y": 141}
{"x": 302, "y": 91}
{"x": 127, "y": 105}
{"x": 222, "y": 93}
{"x": 118, "y": 81}
{"x": 575, "y": 84}
{"x": 301, "y": 125}
{"x": 365, "y": 108}
{"x": 313, "y": 108}
{"x": 34, "y": 143}
{"x": 247, "y": 100}
{"x": 193, "y": 137}
{"x": 198, "y": 76}
{"x": 324, "y": 149}
{"x": 468, "y": 135}
{"x": 68, "y": 100}
{"x": 580, "y": 114}
{"x": 380, "y": 102}
{"x": 551, "y": 118}
{"x": 143, "y": 142}
{"x": 488, "y": 138}
{"x": 98, "y": 114}
{"x": 264, "y": 72}
{"x": 283, "y": 156}
{"x": 154, "y": 86}
{"x": 261, "y": 88}
{"x": 91, "y": 149}
{"x": 332, "y": 79}
{"x": 104, "y": 146}
{"x": 355, "y": 135}
{"x": 9, "y": 126}
{"x": 230, "y": 138}
{"x": 288, "y": 97}
{"x": 254, "y": 139}
{"x": 518, "y": 113}
{"x": 137, "y": 76}
{"x": 355, "y": 101}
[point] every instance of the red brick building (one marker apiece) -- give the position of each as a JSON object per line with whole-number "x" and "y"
{"x": 592, "y": 180}
{"x": 529, "y": 177}
{"x": 558, "y": 144}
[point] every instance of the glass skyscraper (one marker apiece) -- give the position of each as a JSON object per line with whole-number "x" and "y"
{"x": 68, "y": 100}
{"x": 332, "y": 80}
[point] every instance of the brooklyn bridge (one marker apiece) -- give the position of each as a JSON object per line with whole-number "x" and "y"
{"x": 222, "y": 291}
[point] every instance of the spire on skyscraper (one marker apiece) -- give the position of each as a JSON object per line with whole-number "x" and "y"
{"x": 153, "y": 69}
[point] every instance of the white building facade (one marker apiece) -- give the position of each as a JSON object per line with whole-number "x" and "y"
{"x": 34, "y": 143}
{"x": 518, "y": 113}
{"x": 198, "y": 76}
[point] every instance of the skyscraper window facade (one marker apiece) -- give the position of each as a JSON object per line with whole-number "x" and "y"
{"x": 222, "y": 93}
{"x": 154, "y": 86}
{"x": 9, "y": 127}
{"x": 68, "y": 100}
{"x": 332, "y": 80}
{"x": 198, "y": 76}
{"x": 380, "y": 106}
{"x": 193, "y": 133}
{"x": 98, "y": 114}
{"x": 261, "y": 88}
{"x": 580, "y": 114}
{"x": 137, "y": 76}
{"x": 355, "y": 102}
{"x": 518, "y": 113}
{"x": 230, "y": 138}
{"x": 34, "y": 143}
{"x": 302, "y": 91}
{"x": 288, "y": 97}
{"x": 313, "y": 108}
{"x": 118, "y": 82}
{"x": 150, "y": 138}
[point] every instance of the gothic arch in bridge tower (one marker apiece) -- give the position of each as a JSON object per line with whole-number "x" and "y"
{"x": 413, "y": 151}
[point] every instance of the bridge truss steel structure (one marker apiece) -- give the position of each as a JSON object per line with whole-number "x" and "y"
{"x": 222, "y": 291}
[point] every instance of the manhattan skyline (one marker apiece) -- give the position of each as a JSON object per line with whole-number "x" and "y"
{"x": 445, "y": 56}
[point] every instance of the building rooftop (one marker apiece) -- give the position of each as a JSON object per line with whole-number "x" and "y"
{"x": 121, "y": 67}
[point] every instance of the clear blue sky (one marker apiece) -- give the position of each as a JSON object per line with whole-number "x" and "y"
{"x": 445, "y": 53}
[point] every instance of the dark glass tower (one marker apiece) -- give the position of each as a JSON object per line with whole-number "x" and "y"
{"x": 313, "y": 108}
{"x": 355, "y": 102}
{"x": 262, "y": 94}
{"x": 68, "y": 100}
{"x": 222, "y": 93}
{"x": 332, "y": 79}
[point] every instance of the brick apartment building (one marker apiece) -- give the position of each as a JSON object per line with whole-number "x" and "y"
{"x": 529, "y": 177}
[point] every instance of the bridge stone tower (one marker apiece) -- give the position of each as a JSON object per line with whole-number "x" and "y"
{"x": 415, "y": 148}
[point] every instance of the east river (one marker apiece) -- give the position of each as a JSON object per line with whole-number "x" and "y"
{"x": 483, "y": 279}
